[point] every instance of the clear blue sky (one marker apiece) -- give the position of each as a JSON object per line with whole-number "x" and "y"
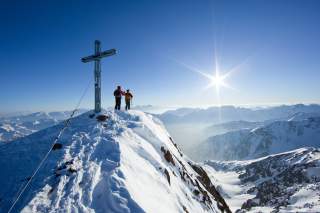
{"x": 41, "y": 43}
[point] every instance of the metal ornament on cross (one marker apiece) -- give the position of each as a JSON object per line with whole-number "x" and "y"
{"x": 98, "y": 55}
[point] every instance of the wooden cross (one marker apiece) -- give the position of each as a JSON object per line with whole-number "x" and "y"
{"x": 98, "y": 55}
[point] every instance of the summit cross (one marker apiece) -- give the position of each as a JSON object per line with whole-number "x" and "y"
{"x": 96, "y": 57}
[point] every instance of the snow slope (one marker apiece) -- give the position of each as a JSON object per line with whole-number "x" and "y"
{"x": 286, "y": 182}
{"x": 128, "y": 163}
{"x": 279, "y": 136}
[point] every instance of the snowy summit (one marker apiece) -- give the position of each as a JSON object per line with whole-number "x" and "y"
{"x": 127, "y": 163}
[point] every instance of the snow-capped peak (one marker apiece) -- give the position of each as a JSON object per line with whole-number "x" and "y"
{"x": 128, "y": 163}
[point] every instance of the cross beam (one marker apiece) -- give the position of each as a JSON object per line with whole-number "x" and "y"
{"x": 98, "y": 55}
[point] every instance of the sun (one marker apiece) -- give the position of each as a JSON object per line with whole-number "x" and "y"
{"x": 217, "y": 81}
{"x": 216, "y": 76}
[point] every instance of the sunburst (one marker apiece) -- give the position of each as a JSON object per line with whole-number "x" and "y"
{"x": 216, "y": 80}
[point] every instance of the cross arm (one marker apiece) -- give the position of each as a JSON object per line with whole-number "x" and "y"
{"x": 99, "y": 56}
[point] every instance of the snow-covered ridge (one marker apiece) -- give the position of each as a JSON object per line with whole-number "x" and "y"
{"x": 285, "y": 182}
{"x": 277, "y": 137}
{"x": 128, "y": 163}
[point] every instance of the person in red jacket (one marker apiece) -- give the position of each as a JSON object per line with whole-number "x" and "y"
{"x": 118, "y": 93}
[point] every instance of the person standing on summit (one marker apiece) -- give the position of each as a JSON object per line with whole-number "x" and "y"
{"x": 128, "y": 97}
{"x": 118, "y": 93}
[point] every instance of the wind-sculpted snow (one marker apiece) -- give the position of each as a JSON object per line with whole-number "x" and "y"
{"x": 286, "y": 182}
{"x": 128, "y": 163}
{"x": 279, "y": 136}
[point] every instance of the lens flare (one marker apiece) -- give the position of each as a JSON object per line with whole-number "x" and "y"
{"x": 216, "y": 79}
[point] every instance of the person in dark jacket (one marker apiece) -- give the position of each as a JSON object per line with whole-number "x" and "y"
{"x": 118, "y": 93}
{"x": 128, "y": 97}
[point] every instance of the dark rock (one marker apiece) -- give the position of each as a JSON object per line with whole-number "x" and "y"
{"x": 182, "y": 173}
{"x": 62, "y": 167}
{"x": 72, "y": 170}
{"x": 174, "y": 173}
{"x": 249, "y": 204}
{"x": 185, "y": 209}
{"x": 50, "y": 191}
{"x": 206, "y": 182}
{"x": 69, "y": 162}
{"x": 168, "y": 176}
{"x": 196, "y": 192}
{"x": 57, "y": 146}
{"x": 102, "y": 118}
{"x": 176, "y": 146}
{"x": 167, "y": 155}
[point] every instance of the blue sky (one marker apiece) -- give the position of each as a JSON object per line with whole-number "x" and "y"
{"x": 276, "y": 43}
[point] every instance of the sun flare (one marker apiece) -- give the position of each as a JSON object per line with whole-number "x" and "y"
{"x": 217, "y": 81}
{"x": 216, "y": 77}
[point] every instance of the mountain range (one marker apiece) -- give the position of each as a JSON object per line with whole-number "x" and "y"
{"x": 276, "y": 137}
{"x": 17, "y": 126}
